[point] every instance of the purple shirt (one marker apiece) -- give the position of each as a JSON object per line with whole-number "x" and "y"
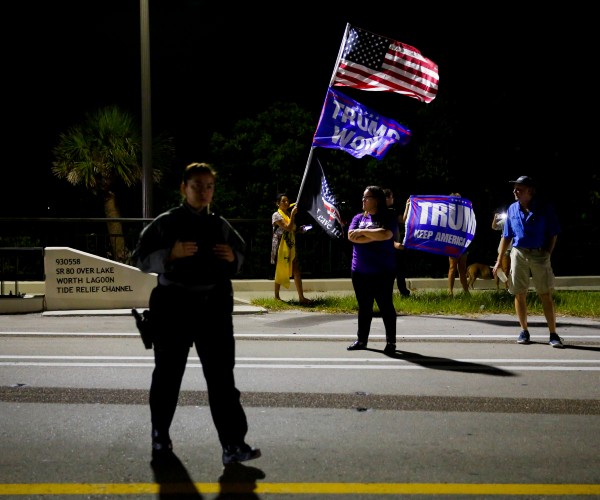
{"x": 375, "y": 257}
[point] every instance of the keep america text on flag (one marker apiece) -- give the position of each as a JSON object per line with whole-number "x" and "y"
{"x": 443, "y": 225}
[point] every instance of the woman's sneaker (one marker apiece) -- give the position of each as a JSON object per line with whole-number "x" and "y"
{"x": 555, "y": 340}
{"x": 523, "y": 337}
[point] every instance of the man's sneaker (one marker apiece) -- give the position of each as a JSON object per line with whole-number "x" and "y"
{"x": 239, "y": 453}
{"x": 523, "y": 337}
{"x": 555, "y": 340}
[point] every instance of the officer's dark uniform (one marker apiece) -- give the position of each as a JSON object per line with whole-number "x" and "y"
{"x": 192, "y": 304}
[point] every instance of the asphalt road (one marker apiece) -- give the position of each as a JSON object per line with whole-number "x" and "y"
{"x": 460, "y": 410}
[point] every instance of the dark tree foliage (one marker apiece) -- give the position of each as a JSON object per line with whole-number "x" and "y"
{"x": 261, "y": 157}
{"x": 448, "y": 152}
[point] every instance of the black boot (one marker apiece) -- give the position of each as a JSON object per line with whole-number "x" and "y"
{"x": 161, "y": 444}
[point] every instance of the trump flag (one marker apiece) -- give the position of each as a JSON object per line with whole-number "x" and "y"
{"x": 318, "y": 200}
{"x": 348, "y": 125}
{"x": 443, "y": 225}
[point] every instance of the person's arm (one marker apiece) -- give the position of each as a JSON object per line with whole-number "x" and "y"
{"x": 368, "y": 235}
{"x": 353, "y": 235}
{"x": 498, "y": 221}
{"x": 504, "y": 243}
{"x": 152, "y": 253}
{"x": 291, "y": 225}
{"x": 387, "y": 232}
{"x": 494, "y": 223}
{"x": 379, "y": 234}
{"x": 406, "y": 209}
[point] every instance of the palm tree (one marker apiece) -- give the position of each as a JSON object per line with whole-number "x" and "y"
{"x": 101, "y": 154}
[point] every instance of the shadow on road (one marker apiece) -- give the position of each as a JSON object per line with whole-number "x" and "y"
{"x": 237, "y": 481}
{"x": 572, "y": 347}
{"x": 173, "y": 479}
{"x": 436, "y": 363}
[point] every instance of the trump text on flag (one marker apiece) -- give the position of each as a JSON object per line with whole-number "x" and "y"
{"x": 443, "y": 225}
{"x": 348, "y": 125}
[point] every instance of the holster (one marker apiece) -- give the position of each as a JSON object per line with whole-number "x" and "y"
{"x": 144, "y": 325}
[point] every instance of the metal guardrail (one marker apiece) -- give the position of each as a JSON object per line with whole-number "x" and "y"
{"x": 320, "y": 256}
{"x": 20, "y": 264}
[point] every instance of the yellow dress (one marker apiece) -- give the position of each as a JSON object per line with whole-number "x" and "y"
{"x": 286, "y": 252}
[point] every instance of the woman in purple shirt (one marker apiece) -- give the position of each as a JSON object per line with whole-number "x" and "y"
{"x": 372, "y": 233}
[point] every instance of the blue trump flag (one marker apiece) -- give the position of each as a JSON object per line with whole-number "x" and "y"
{"x": 348, "y": 125}
{"x": 444, "y": 225}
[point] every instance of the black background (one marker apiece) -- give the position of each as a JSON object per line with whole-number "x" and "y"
{"x": 522, "y": 82}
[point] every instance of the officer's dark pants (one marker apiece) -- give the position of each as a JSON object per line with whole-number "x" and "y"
{"x": 378, "y": 288}
{"x": 206, "y": 321}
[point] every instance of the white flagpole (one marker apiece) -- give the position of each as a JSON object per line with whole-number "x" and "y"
{"x": 340, "y": 52}
{"x": 310, "y": 155}
{"x": 335, "y": 68}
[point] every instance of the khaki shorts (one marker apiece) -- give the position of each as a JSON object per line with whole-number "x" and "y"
{"x": 534, "y": 263}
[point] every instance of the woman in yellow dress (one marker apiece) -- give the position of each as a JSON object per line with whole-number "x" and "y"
{"x": 283, "y": 248}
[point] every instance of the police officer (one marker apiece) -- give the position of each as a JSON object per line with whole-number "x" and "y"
{"x": 195, "y": 253}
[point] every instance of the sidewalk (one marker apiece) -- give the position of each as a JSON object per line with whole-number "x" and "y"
{"x": 247, "y": 290}
{"x": 251, "y": 289}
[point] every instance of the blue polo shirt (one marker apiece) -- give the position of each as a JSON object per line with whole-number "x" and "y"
{"x": 531, "y": 230}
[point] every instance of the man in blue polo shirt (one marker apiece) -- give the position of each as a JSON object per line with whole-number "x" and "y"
{"x": 533, "y": 228}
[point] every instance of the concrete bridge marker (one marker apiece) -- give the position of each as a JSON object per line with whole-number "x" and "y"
{"x": 79, "y": 280}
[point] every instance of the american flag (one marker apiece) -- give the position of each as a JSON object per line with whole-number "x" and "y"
{"x": 374, "y": 62}
{"x": 329, "y": 201}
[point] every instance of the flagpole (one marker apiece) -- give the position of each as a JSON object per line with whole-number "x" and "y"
{"x": 310, "y": 155}
{"x": 335, "y": 68}
{"x": 340, "y": 52}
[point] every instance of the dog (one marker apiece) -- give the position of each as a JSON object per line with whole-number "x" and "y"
{"x": 482, "y": 271}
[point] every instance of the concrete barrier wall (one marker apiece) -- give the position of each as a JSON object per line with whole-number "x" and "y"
{"x": 77, "y": 280}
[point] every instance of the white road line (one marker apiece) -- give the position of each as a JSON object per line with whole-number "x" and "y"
{"x": 510, "y": 336}
{"x": 306, "y": 360}
{"x": 268, "y": 366}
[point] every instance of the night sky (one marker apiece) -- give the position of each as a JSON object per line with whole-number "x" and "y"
{"x": 523, "y": 79}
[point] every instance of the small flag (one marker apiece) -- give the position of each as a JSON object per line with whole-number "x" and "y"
{"x": 373, "y": 62}
{"x": 318, "y": 200}
{"x": 348, "y": 125}
{"x": 443, "y": 225}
